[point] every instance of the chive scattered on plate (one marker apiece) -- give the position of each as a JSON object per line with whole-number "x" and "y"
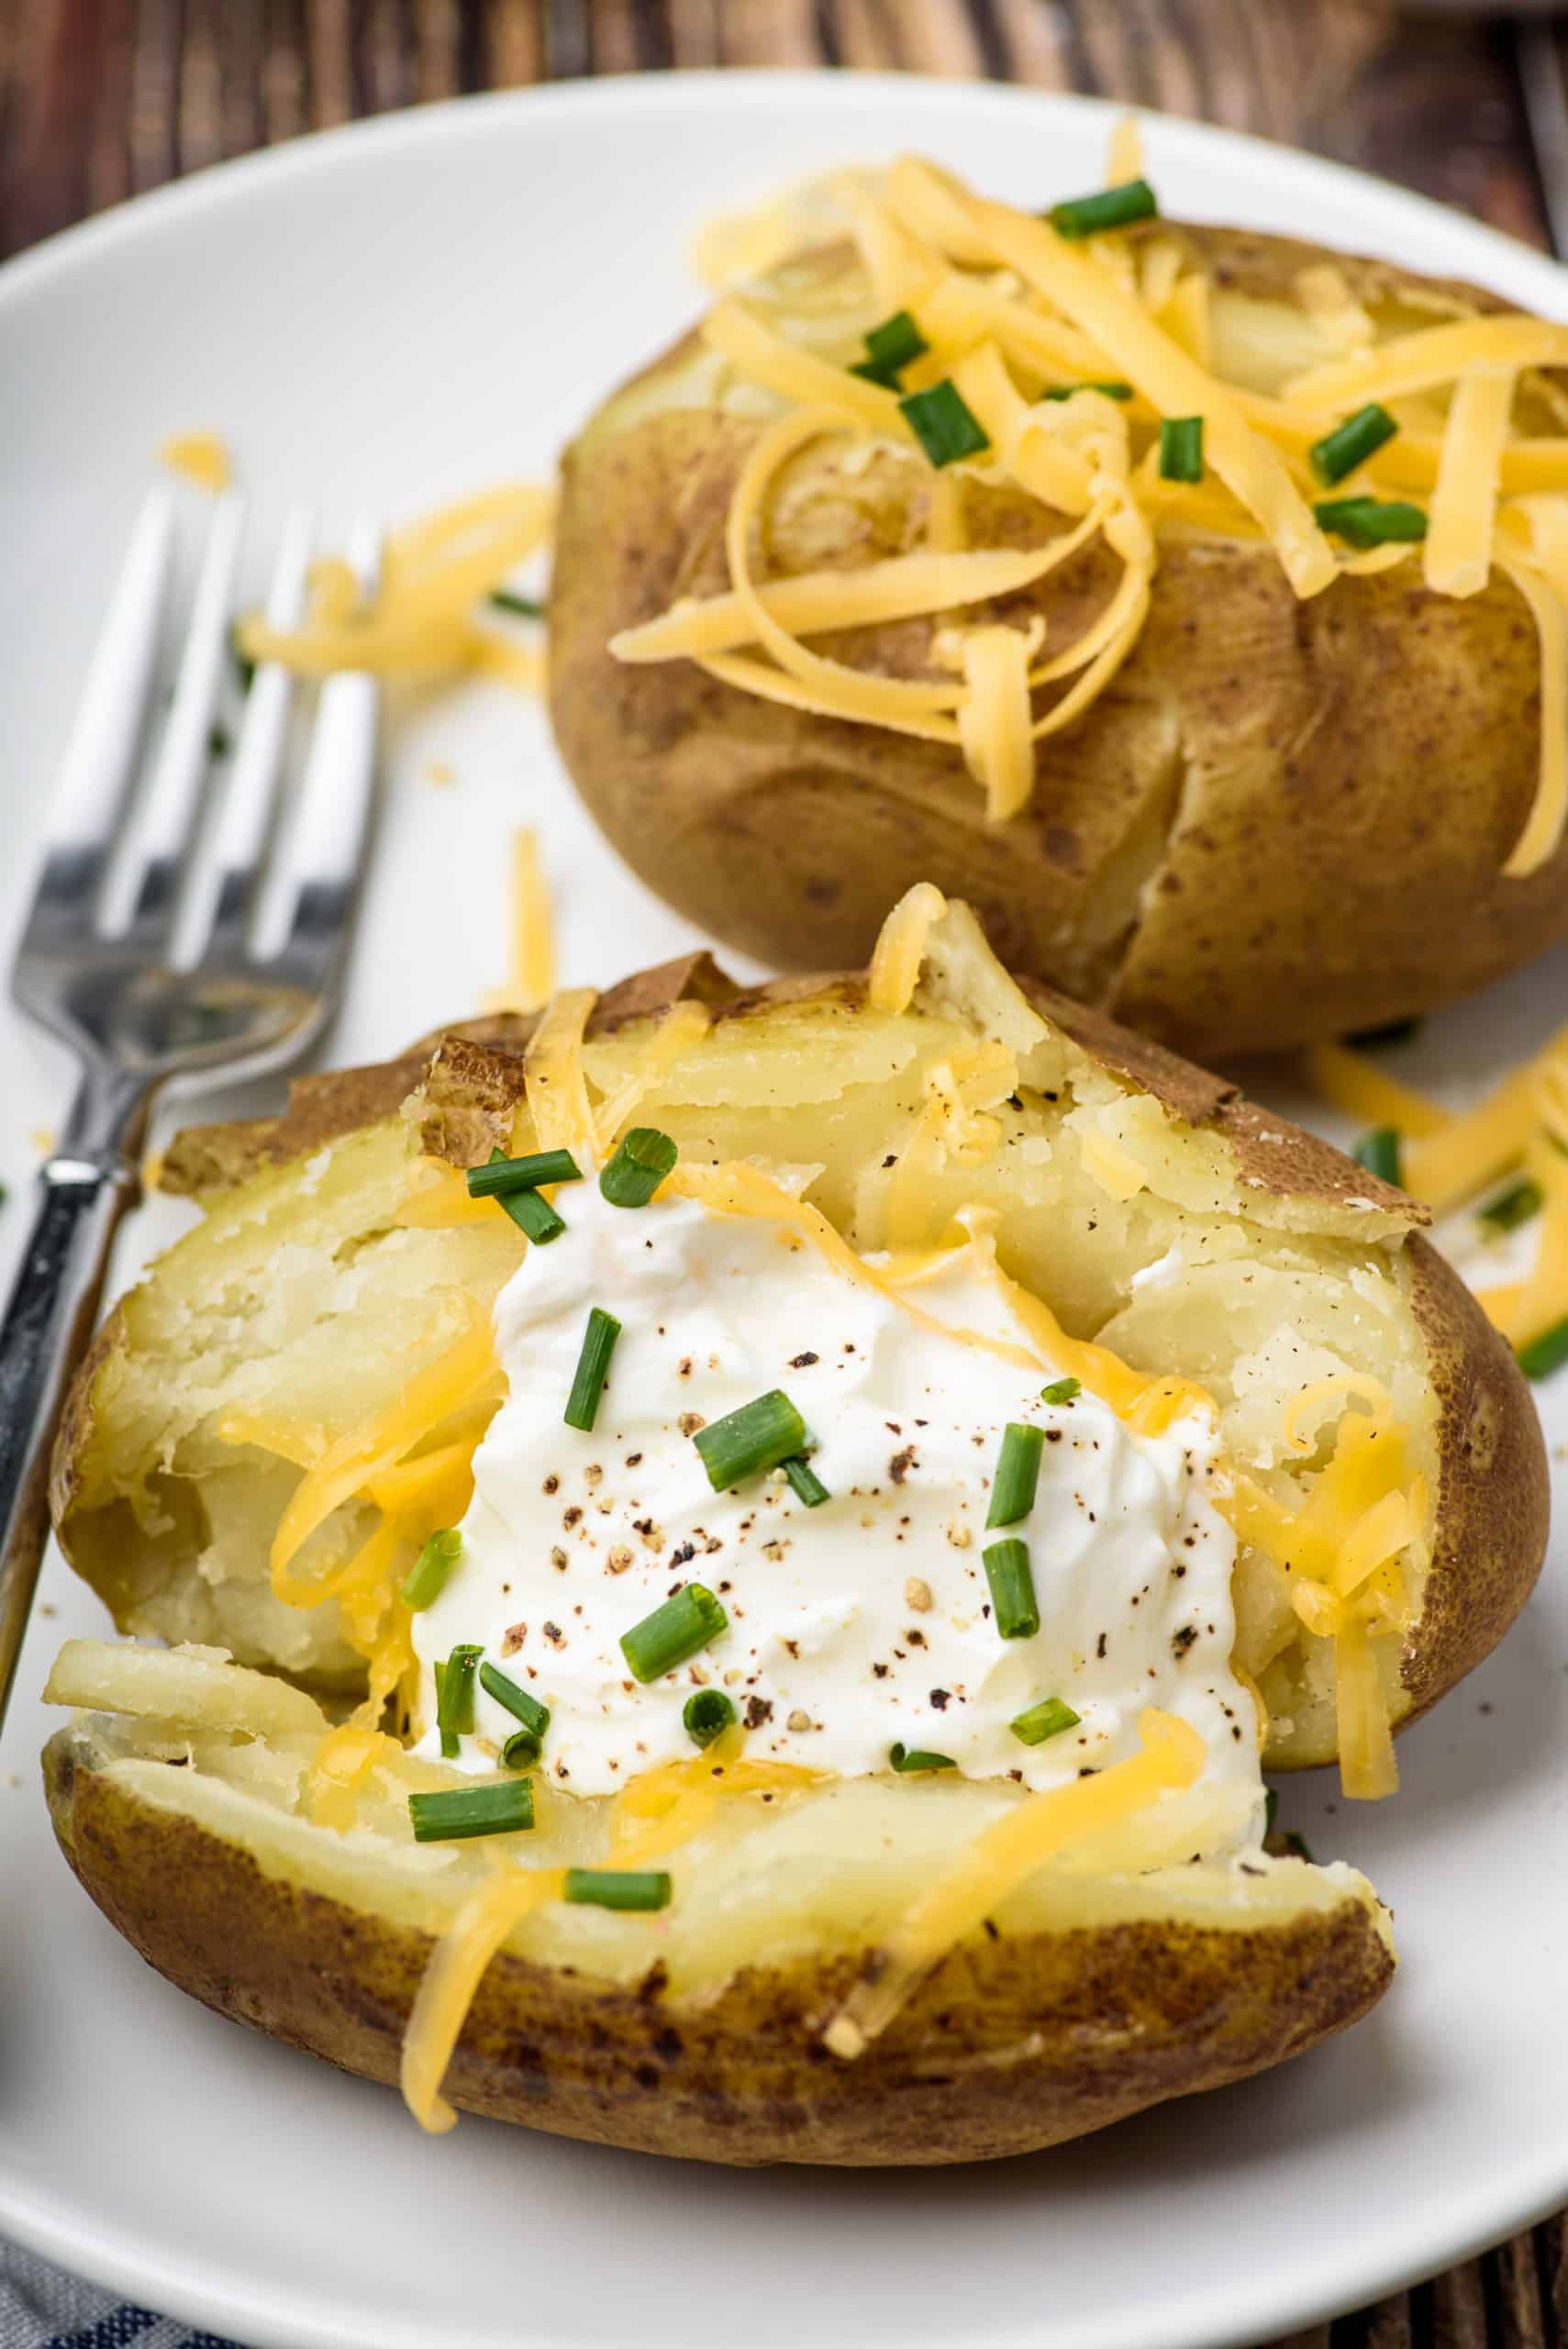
{"x": 1517, "y": 1205}
{"x": 1351, "y": 443}
{"x": 593, "y": 1369}
{"x": 1378, "y": 1151}
{"x": 707, "y": 1714}
{"x": 644, "y": 1889}
{"x": 503, "y": 1176}
{"x": 505, "y": 1808}
{"x": 1180, "y": 448}
{"x": 1061, "y": 1390}
{"x": 516, "y": 1701}
{"x": 1011, "y": 1580}
{"x": 1048, "y": 1719}
{"x": 640, "y": 1163}
{"x": 910, "y": 1761}
{"x": 761, "y": 1435}
{"x": 944, "y": 424}
{"x": 1018, "y": 1474}
{"x": 427, "y": 1577}
{"x": 1364, "y": 522}
{"x": 805, "y": 1483}
{"x": 1108, "y": 207}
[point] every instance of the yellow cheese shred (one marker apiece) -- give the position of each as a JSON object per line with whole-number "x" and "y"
{"x": 1457, "y": 554}
{"x": 1351, "y": 1082}
{"x": 1113, "y": 1168}
{"x": 680, "y": 1031}
{"x": 995, "y": 717}
{"x": 900, "y": 948}
{"x": 1542, "y": 833}
{"x": 1004, "y": 1857}
{"x": 554, "y": 1086}
{"x": 532, "y": 980}
{"x": 202, "y": 457}
{"x": 1124, "y": 152}
{"x": 765, "y": 358}
{"x": 1428, "y": 358}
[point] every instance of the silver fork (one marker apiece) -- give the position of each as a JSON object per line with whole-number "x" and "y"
{"x": 154, "y": 960}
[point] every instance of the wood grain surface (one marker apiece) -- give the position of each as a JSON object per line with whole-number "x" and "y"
{"x": 100, "y": 99}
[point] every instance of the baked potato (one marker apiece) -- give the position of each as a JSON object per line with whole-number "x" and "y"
{"x": 1281, "y": 787}
{"x": 852, "y": 1967}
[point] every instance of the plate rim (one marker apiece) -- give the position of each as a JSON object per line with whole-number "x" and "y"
{"x": 201, "y": 2296}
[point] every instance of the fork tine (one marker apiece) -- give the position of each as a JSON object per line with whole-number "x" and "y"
{"x": 224, "y": 891}
{"x": 143, "y": 890}
{"x": 110, "y": 717}
{"x": 323, "y": 857}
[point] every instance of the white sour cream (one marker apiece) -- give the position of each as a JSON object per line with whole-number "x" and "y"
{"x": 865, "y": 1621}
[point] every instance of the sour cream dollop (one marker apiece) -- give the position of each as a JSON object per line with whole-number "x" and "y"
{"x": 865, "y": 1621}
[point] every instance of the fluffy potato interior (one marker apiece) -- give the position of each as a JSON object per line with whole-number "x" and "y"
{"x": 821, "y": 1872}
{"x": 302, "y": 1294}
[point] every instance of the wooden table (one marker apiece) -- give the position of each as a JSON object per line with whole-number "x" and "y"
{"x": 100, "y": 99}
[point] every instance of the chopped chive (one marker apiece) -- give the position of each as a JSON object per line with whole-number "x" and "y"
{"x": 1394, "y": 1031}
{"x": 640, "y": 1166}
{"x": 1270, "y": 1810}
{"x": 593, "y": 1369}
{"x": 1546, "y": 1353}
{"x": 503, "y": 1174}
{"x": 1109, "y": 207}
{"x": 427, "y": 1578}
{"x": 1351, "y": 443}
{"x": 646, "y": 1888}
{"x": 218, "y": 742}
{"x": 1297, "y": 1847}
{"x": 505, "y": 1807}
{"x": 673, "y": 1633}
{"x": 244, "y": 667}
{"x": 1061, "y": 1390}
{"x": 517, "y": 1702}
{"x": 521, "y": 1749}
{"x": 524, "y": 608}
{"x": 707, "y": 1715}
{"x": 943, "y": 423}
{"x": 449, "y": 1736}
{"x": 897, "y": 342}
{"x": 1012, "y": 1589}
{"x": 1018, "y": 1474}
{"x": 454, "y": 1697}
{"x": 529, "y": 1210}
{"x": 1065, "y": 391}
{"x": 1048, "y": 1719}
{"x": 908, "y": 1762}
{"x": 805, "y": 1483}
{"x": 1365, "y": 522}
{"x": 761, "y": 1435}
{"x": 1515, "y": 1206}
{"x": 877, "y": 370}
{"x": 1180, "y": 448}
{"x": 1378, "y": 1151}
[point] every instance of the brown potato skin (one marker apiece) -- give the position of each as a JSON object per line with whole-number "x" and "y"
{"x": 1281, "y": 822}
{"x": 1011, "y": 2045}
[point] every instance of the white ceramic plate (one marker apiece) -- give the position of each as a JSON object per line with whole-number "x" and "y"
{"x": 394, "y": 314}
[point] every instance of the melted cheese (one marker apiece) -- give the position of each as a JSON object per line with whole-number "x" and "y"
{"x": 900, "y": 948}
{"x": 554, "y": 1086}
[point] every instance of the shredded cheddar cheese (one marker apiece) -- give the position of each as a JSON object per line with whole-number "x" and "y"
{"x": 901, "y": 948}
{"x": 202, "y": 457}
{"x": 533, "y": 930}
{"x": 1457, "y": 558}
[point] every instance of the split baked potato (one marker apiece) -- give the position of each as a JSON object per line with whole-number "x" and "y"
{"x": 249, "y": 1833}
{"x": 1287, "y": 807}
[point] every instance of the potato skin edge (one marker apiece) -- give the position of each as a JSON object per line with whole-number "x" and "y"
{"x": 1011, "y": 2046}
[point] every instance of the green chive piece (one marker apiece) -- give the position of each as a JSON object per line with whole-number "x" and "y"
{"x": 1546, "y": 1353}
{"x": 1515, "y": 1206}
{"x": 1061, "y": 1390}
{"x": 897, "y": 342}
{"x": 1065, "y": 391}
{"x": 1365, "y": 522}
{"x": 646, "y": 1888}
{"x": 1351, "y": 443}
{"x": 521, "y": 1749}
{"x": 1378, "y": 1151}
{"x": 876, "y": 371}
{"x": 943, "y": 423}
{"x": 244, "y": 667}
{"x": 1270, "y": 1810}
{"x": 640, "y": 1163}
{"x": 1012, "y": 1589}
{"x": 454, "y": 1697}
{"x": 503, "y": 1174}
{"x": 517, "y": 1702}
{"x": 761, "y": 1435}
{"x": 1018, "y": 1474}
{"x": 1296, "y": 1846}
{"x": 505, "y": 1807}
{"x": 1109, "y": 207}
{"x": 907, "y": 1764}
{"x": 805, "y": 1483}
{"x": 427, "y": 1578}
{"x": 593, "y": 1369}
{"x": 673, "y": 1633}
{"x": 1180, "y": 448}
{"x": 523, "y": 607}
{"x": 1395, "y": 1031}
{"x": 1048, "y": 1719}
{"x": 529, "y": 1210}
{"x": 707, "y": 1715}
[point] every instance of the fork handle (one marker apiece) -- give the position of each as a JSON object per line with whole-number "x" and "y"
{"x": 45, "y": 1333}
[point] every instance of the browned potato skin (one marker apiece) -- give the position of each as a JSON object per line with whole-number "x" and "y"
{"x": 1009, "y": 2046}
{"x": 1492, "y": 1500}
{"x": 1318, "y": 797}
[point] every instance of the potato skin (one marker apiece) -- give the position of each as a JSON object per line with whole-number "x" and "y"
{"x": 1011, "y": 2045}
{"x": 1281, "y": 821}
